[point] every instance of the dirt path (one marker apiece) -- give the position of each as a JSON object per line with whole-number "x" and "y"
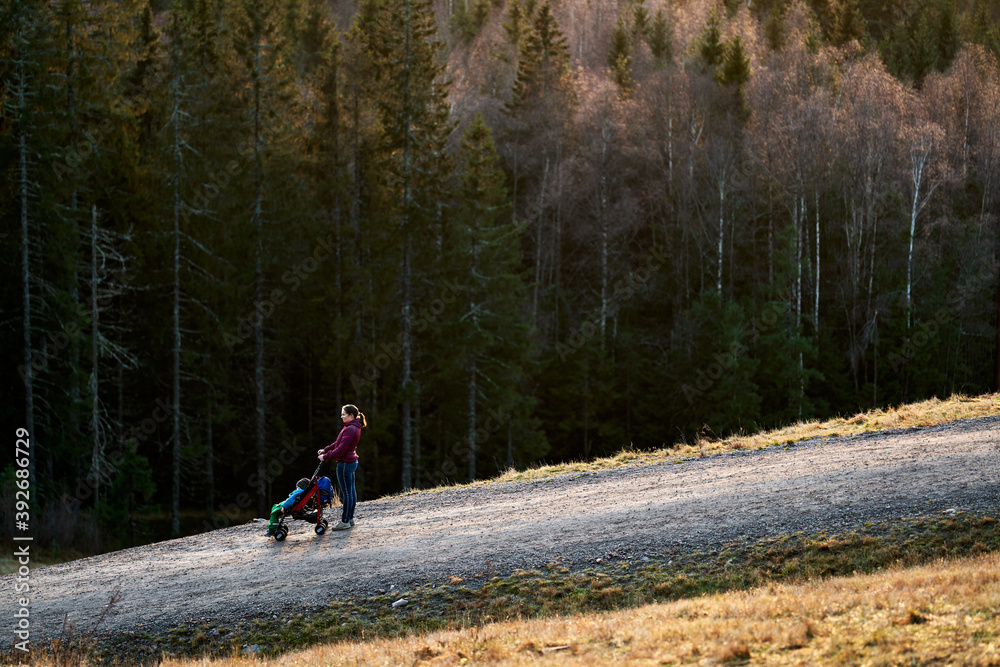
{"x": 626, "y": 513}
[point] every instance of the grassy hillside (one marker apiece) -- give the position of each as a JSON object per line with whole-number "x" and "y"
{"x": 943, "y": 612}
{"x": 921, "y": 588}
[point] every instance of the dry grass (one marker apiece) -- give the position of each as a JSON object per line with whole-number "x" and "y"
{"x": 926, "y": 413}
{"x": 944, "y": 613}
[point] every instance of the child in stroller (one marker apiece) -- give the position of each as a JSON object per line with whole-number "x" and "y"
{"x": 305, "y": 503}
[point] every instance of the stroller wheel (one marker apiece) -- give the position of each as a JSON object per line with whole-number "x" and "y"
{"x": 281, "y": 534}
{"x": 321, "y": 527}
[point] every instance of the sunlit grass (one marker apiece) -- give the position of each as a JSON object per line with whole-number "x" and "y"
{"x": 944, "y": 612}
{"x": 925, "y": 413}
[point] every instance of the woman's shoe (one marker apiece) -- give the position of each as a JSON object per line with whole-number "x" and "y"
{"x": 352, "y": 523}
{"x": 342, "y": 526}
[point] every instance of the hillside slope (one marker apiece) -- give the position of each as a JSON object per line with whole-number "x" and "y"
{"x": 626, "y": 513}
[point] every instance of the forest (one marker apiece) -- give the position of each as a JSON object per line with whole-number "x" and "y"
{"x": 509, "y": 231}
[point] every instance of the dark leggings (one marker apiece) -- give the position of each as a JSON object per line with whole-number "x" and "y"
{"x": 345, "y": 478}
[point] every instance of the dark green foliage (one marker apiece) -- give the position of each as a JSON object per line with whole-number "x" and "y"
{"x": 735, "y": 69}
{"x": 640, "y": 21}
{"x": 774, "y": 29}
{"x": 543, "y": 61}
{"x": 619, "y": 56}
{"x": 710, "y": 46}
{"x": 923, "y": 40}
{"x": 660, "y": 42}
{"x": 468, "y": 22}
{"x": 515, "y": 23}
{"x": 714, "y": 370}
{"x": 983, "y": 27}
{"x": 372, "y": 213}
{"x": 847, "y": 23}
{"x": 620, "y": 45}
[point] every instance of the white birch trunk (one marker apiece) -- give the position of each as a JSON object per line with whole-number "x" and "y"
{"x": 918, "y": 162}
{"x": 816, "y": 305}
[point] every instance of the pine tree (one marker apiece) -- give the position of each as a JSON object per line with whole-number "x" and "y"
{"x": 774, "y": 29}
{"x": 640, "y": 21}
{"x": 710, "y": 45}
{"x": 848, "y": 23}
{"x": 735, "y": 69}
{"x": 493, "y": 337}
{"x": 660, "y": 42}
{"x": 266, "y": 79}
{"x": 413, "y": 108}
{"x": 543, "y": 62}
{"x": 620, "y": 58}
{"x": 515, "y": 23}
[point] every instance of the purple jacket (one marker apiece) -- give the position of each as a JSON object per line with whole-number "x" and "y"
{"x": 345, "y": 448}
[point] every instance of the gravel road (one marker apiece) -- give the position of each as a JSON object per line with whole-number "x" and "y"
{"x": 626, "y": 513}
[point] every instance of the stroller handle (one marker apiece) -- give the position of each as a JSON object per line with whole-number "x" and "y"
{"x": 316, "y": 472}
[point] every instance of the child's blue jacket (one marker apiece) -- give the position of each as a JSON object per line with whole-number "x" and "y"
{"x": 292, "y": 497}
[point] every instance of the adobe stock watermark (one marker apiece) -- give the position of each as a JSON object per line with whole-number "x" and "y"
{"x": 725, "y": 361}
{"x": 57, "y": 342}
{"x": 294, "y": 278}
{"x": 390, "y": 352}
{"x": 623, "y": 291}
{"x": 226, "y": 514}
{"x": 924, "y": 334}
{"x": 496, "y": 418}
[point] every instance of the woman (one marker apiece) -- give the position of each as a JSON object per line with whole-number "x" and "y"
{"x": 344, "y": 450}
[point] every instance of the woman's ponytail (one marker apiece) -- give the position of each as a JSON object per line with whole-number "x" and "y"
{"x": 357, "y": 414}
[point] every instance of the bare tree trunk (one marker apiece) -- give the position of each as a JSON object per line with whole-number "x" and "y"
{"x": 24, "y": 186}
{"x": 97, "y": 453}
{"x": 175, "y": 495}
{"x": 416, "y": 441}
{"x": 816, "y": 307}
{"x": 602, "y": 213}
{"x": 919, "y": 157}
{"x": 472, "y": 418}
{"x": 407, "y": 344}
{"x": 799, "y": 228}
{"x": 539, "y": 242}
{"x": 722, "y": 220}
{"x": 210, "y": 464}
{"x": 407, "y": 455}
{"x": 258, "y": 214}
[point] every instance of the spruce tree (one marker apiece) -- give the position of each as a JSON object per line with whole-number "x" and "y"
{"x": 640, "y": 21}
{"x": 414, "y": 113}
{"x": 515, "y": 23}
{"x": 774, "y": 29}
{"x": 660, "y": 43}
{"x": 264, "y": 94}
{"x": 710, "y": 45}
{"x": 543, "y": 63}
{"x": 488, "y": 253}
{"x": 620, "y": 57}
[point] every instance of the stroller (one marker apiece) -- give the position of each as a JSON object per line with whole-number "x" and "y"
{"x": 309, "y": 506}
